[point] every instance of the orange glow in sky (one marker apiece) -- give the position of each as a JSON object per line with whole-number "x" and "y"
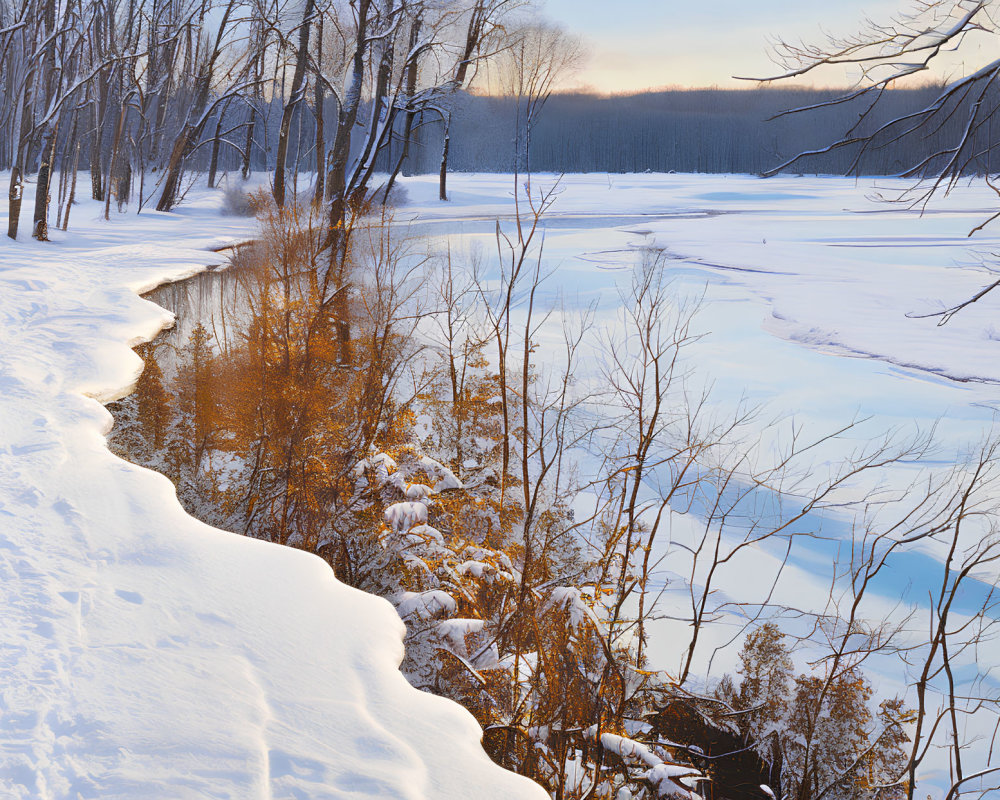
{"x": 633, "y": 45}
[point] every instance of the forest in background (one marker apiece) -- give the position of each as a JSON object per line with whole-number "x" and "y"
{"x": 688, "y": 130}
{"x": 681, "y": 130}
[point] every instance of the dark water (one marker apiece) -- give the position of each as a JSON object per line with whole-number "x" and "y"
{"x": 216, "y": 299}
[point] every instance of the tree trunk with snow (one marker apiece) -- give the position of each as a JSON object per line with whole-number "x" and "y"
{"x": 443, "y": 175}
{"x": 411, "y": 112}
{"x": 40, "y": 226}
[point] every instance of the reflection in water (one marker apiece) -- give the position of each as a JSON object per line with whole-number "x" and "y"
{"x": 273, "y": 386}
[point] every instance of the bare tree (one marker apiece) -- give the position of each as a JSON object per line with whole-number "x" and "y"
{"x": 959, "y": 117}
{"x": 207, "y": 55}
{"x": 528, "y": 70}
{"x": 19, "y": 72}
{"x": 482, "y": 32}
{"x": 296, "y": 93}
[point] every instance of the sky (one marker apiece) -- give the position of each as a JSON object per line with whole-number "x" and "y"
{"x": 639, "y": 44}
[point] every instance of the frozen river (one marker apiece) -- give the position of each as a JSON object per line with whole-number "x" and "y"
{"x": 812, "y": 285}
{"x": 818, "y": 305}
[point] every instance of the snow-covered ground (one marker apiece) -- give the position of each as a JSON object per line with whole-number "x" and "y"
{"x": 143, "y": 654}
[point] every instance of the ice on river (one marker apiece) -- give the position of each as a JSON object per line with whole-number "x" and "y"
{"x": 814, "y": 286}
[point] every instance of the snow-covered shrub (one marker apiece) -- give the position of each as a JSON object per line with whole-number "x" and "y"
{"x": 814, "y": 732}
{"x": 238, "y": 202}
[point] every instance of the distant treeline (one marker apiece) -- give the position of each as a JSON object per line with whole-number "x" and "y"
{"x": 704, "y": 130}
{"x": 698, "y": 130}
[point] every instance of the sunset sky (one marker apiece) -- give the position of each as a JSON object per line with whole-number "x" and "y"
{"x": 639, "y": 44}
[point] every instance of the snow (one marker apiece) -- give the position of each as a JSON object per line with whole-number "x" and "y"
{"x": 571, "y": 599}
{"x": 418, "y": 492}
{"x": 636, "y": 751}
{"x": 662, "y": 776}
{"x": 402, "y": 516}
{"x": 426, "y": 605}
{"x": 445, "y": 478}
{"x": 454, "y": 631}
{"x": 426, "y": 533}
{"x": 474, "y": 568}
{"x": 814, "y": 302}
{"x": 143, "y": 654}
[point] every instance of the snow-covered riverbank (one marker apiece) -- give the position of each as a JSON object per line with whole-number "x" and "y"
{"x": 143, "y": 654}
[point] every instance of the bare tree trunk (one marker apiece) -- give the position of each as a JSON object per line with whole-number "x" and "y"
{"x": 320, "y": 132}
{"x": 22, "y": 126}
{"x": 113, "y": 166}
{"x": 15, "y": 196}
{"x": 161, "y": 108}
{"x": 17, "y": 172}
{"x": 40, "y": 228}
{"x": 478, "y": 20}
{"x": 295, "y": 96}
{"x": 443, "y": 176}
{"x": 65, "y": 161}
{"x": 213, "y": 164}
{"x": 123, "y": 182}
{"x": 337, "y": 178}
{"x": 335, "y": 286}
{"x": 411, "y": 89}
{"x": 382, "y": 113}
{"x": 72, "y": 187}
{"x": 171, "y": 184}
{"x": 251, "y": 123}
{"x": 96, "y": 167}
